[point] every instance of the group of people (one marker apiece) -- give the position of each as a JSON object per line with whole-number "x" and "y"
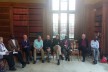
{"x": 94, "y": 45}
{"x": 60, "y": 48}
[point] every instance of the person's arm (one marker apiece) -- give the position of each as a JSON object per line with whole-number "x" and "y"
{"x": 41, "y": 43}
{"x": 97, "y": 44}
{"x": 34, "y": 44}
{"x": 50, "y": 44}
{"x": 28, "y": 43}
{"x": 9, "y": 46}
{"x": 87, "y": 43}
{"x": 17, "y": 45}
{"x": 92, "y": 44}
{"x": 2, "y": 53}
{"x": 22, "y": 44}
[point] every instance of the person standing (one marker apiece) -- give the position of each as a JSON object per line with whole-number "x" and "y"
{"x": 7, "y": 55}
{"x": 95, "y": 47}
{"x": 13, "y": 46}
{"x": 47, "y": 46}
{"x": 83, "y": 45}
{"x": 26, "y": 47}
{"x": 38, "y": 47}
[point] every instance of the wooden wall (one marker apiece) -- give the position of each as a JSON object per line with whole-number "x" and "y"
{"x": 93, "y": 11}
{"x": 21, "y": 18}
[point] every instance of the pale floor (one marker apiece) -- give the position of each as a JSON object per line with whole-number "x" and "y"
{"x": 65, "y": 66}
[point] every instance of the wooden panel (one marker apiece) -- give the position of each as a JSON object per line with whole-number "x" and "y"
{"x": 20, "y": 11}
{"x": 35, "y": 17}
{"x": 4, "y": 29}
{"x": 35, "y": 11}
{"x": 36, "y": 23}
{"x": 35, "y": 34}
{"x": 28, "y": 5}
{"x": 15, "y": 18}
{"x": 36, "y": 29}
{"x": 20, "y": 23}
{"x": 4, "y": 9}
{"x": 4, "y": 23}
{"x": 5, "y": 4}
{"x": 19, "y": 34}
{"x": 21, "y": 17}
{"x": 21, "y": 29}
{"x": 4, "y": 16}
{"x": 5, "y": 35}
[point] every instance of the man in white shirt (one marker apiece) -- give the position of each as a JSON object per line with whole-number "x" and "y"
{"x": 95, "y": 47}
{"x": 5, "y": 54}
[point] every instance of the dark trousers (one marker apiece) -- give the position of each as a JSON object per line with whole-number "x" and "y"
{"x": 9, "y": 58}
{"x": 84, "y": 51}
{"x": 27, "y": 54}
{"x": 19, "y": 56}
{"x": 66, "y": 52}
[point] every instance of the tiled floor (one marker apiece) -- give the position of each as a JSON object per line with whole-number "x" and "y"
{"x": 72, "y": 66}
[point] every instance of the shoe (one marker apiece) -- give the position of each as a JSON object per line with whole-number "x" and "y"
{"x": 34, "y": 62}
{"x": 58, "y": 63}
{"x": 23, "y": 65}
{"x": 68, "y": 59}
{"x": 61, "y": 57}
{"x": 95, "y": 62}
{"x": 27, "y": 62}
{"x": 83, "y": 60}
{"x": 12, "y": 69}
{"x": 43, "y": 61}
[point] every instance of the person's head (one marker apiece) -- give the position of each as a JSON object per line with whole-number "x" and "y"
{"x": 66, "y": 37}
{"x": 39, "y": 38}
{"x": 83, "y": 36}
{"x": 95, "y": 38}
{"x": 1, "y": 39}
{"x": 12, "y": 37}
{"x": 25, "y": 37}
{"x": 48, "y": 37}
{"x": 57, "y": 36}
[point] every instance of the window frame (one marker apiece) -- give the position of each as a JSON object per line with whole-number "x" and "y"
{"x": 63, "y": 11}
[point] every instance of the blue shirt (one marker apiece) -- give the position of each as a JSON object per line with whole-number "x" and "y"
{"x": 38, "y": 44}
{"x": 95, "y": 44}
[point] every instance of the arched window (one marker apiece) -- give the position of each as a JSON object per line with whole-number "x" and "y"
{"x": 63, "y": 13}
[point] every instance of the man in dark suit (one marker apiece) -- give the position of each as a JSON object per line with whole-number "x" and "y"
{"x": 47, "y": 46}
{"x": 57, "y": 48}
{"x": 83, "y": 45}
{"x": 15, "y": 48}
{"x": 65, "y": 49}
{"x": 26, "y": 47}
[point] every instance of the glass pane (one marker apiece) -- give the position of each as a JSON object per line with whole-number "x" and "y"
{"x": 64, "y": 4}
{"x": 55, "y": 24}
{"x": 71, "y": 25}
{"x": 55, "y": 4}
{"x": 63, "y": 18}
{"x": 63, "y": 25}
{"x": 72, "y": 4}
